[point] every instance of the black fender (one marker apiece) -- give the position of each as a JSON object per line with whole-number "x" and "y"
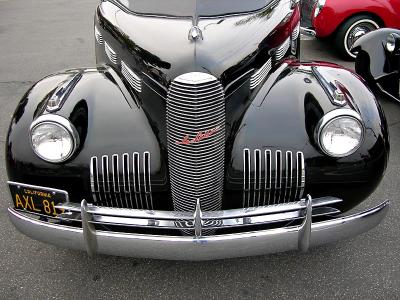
{"x": 283, "y": 116}
{"x": 378, "y": 67}
{"x": 108, "y": 118}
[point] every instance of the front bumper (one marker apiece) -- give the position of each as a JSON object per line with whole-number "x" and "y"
{"x": 198, "y": 247}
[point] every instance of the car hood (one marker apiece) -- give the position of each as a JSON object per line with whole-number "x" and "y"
{"x": 163, "y": 48}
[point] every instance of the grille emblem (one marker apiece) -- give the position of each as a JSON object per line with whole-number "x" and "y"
{"x": 201, "y": 135}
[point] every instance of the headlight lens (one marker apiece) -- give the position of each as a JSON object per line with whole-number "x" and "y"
{"x": 341, "y": 136}
{"x": 390, "y": 43}
{"x": 52, "y": 141}
{"x": 320, "y": 4}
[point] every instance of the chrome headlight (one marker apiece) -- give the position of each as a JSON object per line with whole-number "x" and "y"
{"x": 320, "y": 4}
{"x": 340, "y": 132}
{"x": 390, "y": 43}
{"x": 54, "y": 138}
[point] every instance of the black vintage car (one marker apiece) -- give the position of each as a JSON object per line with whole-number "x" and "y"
{"x": 199, "y": 135}
{"x": 378, "y": 61}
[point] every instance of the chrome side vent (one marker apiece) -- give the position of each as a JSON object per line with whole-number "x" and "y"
{"x": 112, "y": 55}
{"x": 295, "y": 36}
{"x": 98, "y": 36}
{"x": 283, "y": 49}
{"x": 122, "y": 181}
{"x": 133, "y": 79}
{"x": 296, "y": 32}
{"x": 196, "y": 141}
{"x": 272, "y": 177}
{"x": 260, "y": 74}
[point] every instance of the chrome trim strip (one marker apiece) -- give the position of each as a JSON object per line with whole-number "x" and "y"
{"x": 246, "y": 166}
{"x": 204, "y": 247}
{"x": 257, "y": 169}
{"x": 136, "y": 172}
{"x": 289, "y": 175}
{"x": 268, "y": 169}
{"x": 302, "y": 171}
{"x": 278, "y": 169}
{"x": 126, "y": 176}
{"x": 94, "y": 185}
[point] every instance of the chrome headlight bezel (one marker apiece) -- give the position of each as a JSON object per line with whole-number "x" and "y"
{"x": 62, "y": 123}
{"x": 390, "y": 43}
{"x": 334, "y": 115}
{"x": 318, "y": 7}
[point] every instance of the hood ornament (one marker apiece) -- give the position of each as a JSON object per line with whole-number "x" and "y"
{"x": 195, "y": 33}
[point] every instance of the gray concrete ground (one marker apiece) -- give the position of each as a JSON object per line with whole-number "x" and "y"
{"x": 42, "y": 36}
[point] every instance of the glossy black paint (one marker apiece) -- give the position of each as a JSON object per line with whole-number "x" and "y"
{"x": 281, "y": 113}
{"x": 376, "y": 65}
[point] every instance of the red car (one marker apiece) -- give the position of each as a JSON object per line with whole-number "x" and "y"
{"x": 348, "y": 20}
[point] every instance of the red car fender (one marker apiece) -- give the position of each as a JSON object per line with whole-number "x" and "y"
{"x": 335, "y": 12}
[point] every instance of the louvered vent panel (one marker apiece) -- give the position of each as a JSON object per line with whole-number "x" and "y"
{"x": 272, "y": 177}
{"x": 121, "y": 181}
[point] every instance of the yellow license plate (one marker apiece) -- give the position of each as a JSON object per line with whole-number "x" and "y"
{"x": 35, "y": 199}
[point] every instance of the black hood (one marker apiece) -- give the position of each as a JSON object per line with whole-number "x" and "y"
{"x": 162, "y": 48}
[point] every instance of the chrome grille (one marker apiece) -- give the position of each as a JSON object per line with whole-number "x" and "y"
{"x": 98, "y": 36}
{"x": 272, "y": 177}
{"x": 260, "y": 74}
{"x": 283, "y": 49}
{"x": 196, "y": 141}
{"x": 122, "y": 181}
{"x": 131, "y": 77}
{"x": 112, "y": 55}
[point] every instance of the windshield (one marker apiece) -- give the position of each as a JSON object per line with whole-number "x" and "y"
{"x": 189, "y": 8}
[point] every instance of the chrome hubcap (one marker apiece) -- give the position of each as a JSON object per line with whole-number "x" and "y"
{"x": 357, "y": 32}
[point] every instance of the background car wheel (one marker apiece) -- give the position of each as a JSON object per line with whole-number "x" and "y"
{"x": 350, "y": 31}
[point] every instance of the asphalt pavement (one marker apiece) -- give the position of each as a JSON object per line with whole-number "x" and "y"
{"x": 43, "y": 36}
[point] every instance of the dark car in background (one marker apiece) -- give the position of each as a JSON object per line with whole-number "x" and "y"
{"x": 198, "y": 135}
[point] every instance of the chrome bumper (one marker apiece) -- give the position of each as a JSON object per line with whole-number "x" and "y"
{"x": 199, "y": 247}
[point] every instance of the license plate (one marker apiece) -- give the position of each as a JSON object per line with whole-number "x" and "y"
{"x": 36, "y": 199}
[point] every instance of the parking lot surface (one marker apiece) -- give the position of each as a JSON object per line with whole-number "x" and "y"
{"x": 43, "y": 36}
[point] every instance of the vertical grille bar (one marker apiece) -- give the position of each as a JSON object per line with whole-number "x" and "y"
{"x": 115, "y": 180}
{"x": 105, "y": 179}
{"x": 136, "y": 179}
{"x": 301, "y": 174}
{"x": 289, "y": 175}
{"x": 126, "y": 179}
{"x": 94, "y": 179}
